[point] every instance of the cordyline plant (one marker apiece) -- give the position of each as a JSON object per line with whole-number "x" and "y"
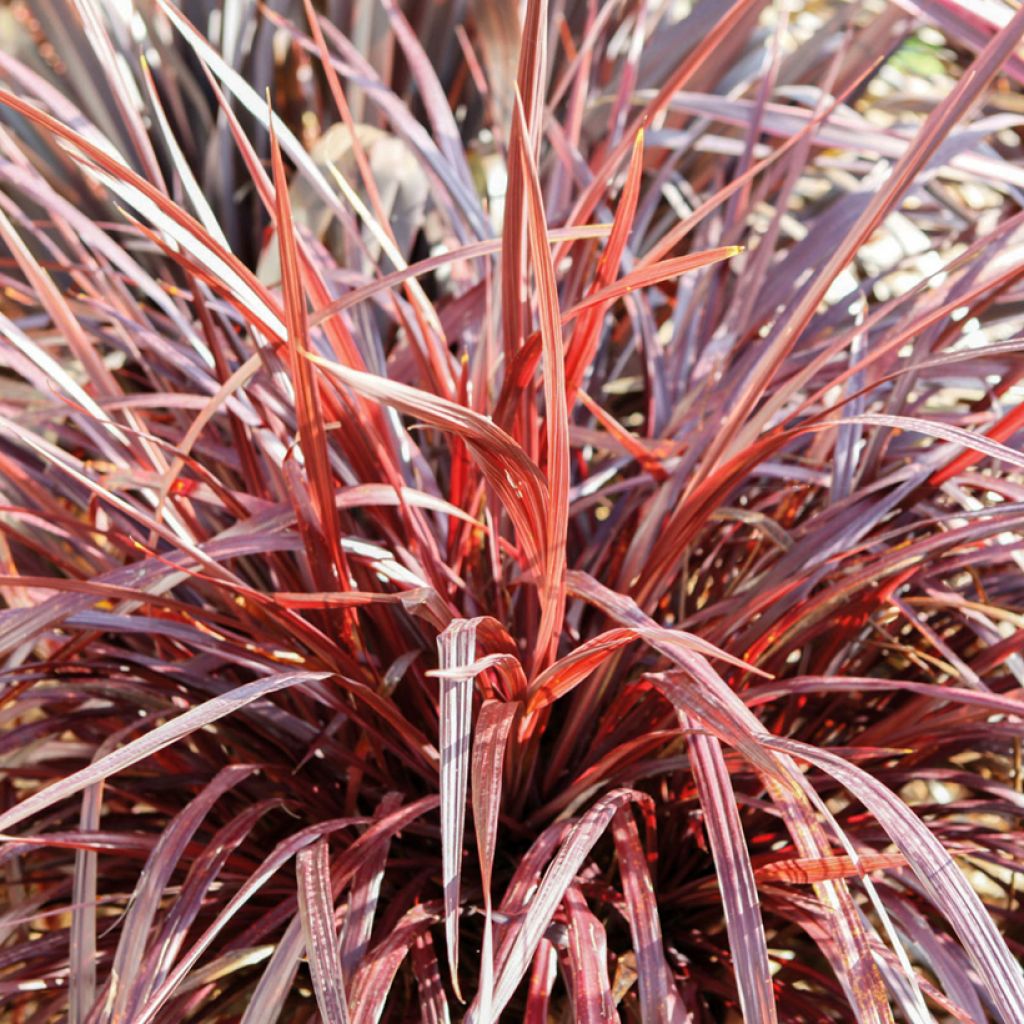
{"x": 511, "y": 512}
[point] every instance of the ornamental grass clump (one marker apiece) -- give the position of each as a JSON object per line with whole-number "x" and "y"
{"x": 511, "y": 511}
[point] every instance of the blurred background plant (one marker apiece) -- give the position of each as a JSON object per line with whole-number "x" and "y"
{"x": 438, "y": 439}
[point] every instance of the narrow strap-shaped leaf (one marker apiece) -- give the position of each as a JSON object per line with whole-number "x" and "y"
{"x": 373, "y": 981}
{"x": 308, "y": 411}
{"x": 805, "y": 870}
{"x": 526, "y": 878}
{"x": 433, "y": 1001}
{"x": 588, "y": 956}
{"x": 735, "y": 878}
{"x": 556, "y": 412}
{"x": 543, "y": 975}
{"x": 364, "y": 896}
{"x": 568, "y": 672}
{"x": 456, "y": 647}
{"x": 523, "y": 134}
{"x": 145, "y": 746}
{"x": 659, "y": 998}
{"x": 82, "y": 937}
{"x": 275, "y": 984}
{"x": 494, "y": 723}
{"x": 587, "y": 334}
{"x": 316, "y": 908}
